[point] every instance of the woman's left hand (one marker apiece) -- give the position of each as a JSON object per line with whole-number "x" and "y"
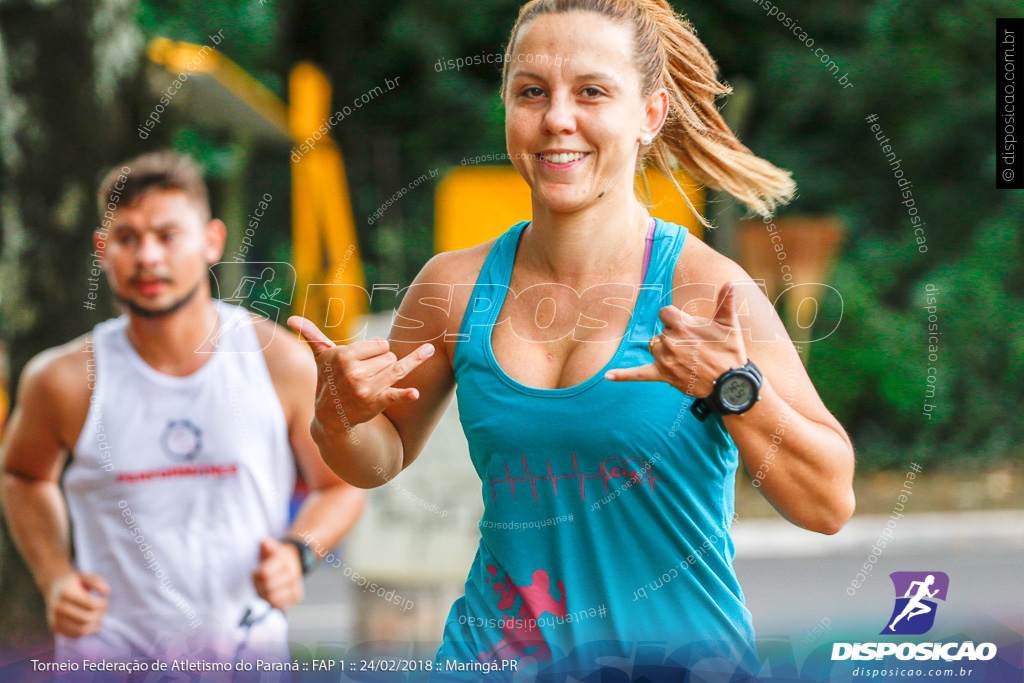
{"x": 691, "y": 352}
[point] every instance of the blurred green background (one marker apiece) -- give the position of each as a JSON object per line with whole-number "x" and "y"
{"x": 73, "y": 86}
{"x": 75, "y": 82}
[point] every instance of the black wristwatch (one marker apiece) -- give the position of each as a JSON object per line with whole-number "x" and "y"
{"x": 735, "y": 392}
{"x": 306, "y": 554}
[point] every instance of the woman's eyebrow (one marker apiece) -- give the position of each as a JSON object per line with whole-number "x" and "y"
{"x": 594, "y": 76}
{"x": 527, "y": 74}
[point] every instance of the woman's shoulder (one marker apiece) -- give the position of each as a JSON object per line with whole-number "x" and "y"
{"x": 443, "y": 288}
{"x": 699, "y": 272}
{"x": 460, "y": 266}
{"x": 705, "y": 261}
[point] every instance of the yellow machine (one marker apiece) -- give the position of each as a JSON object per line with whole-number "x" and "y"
{"x": 473, "y": 204}
{"x": 477, "y": 203}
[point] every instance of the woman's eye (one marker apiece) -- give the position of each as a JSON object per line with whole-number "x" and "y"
{"x": 592, "y": 92}
{"x": 532, "y": 91}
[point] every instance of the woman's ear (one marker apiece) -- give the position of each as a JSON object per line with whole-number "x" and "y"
{"x": 655, "y": 114}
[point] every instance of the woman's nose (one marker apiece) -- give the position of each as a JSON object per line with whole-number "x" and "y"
{"x": 560, "y": 118}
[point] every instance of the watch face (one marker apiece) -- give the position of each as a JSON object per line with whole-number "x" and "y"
{"x": 737, "y": 392}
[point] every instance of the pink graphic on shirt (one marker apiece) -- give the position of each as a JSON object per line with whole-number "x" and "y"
{"x": 632, "y": 469}
{"x": 523, "y": 632}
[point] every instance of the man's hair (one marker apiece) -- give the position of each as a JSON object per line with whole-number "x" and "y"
{"x": 163, "y": 170}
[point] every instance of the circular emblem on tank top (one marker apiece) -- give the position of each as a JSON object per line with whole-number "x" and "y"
{"x": 181, "y": 440}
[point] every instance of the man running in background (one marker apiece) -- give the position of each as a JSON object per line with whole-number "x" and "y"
{"x": 181, "y": 449}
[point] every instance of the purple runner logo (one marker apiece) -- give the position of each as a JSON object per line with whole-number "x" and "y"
{"x": 914, "y": 612}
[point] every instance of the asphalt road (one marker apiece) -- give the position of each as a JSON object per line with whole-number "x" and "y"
{"x": 793, "y": 581}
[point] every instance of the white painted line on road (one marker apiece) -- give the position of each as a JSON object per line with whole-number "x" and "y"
{"x": 326, "y": 616}
{"x": 759, "y": 538}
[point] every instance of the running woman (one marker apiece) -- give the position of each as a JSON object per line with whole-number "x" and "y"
{"x": 182, "y": 452}
{"x": 607, "y": 437}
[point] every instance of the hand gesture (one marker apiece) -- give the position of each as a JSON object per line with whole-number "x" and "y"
{"x": 355, "y": 382}
{"x": 691, "y": 352}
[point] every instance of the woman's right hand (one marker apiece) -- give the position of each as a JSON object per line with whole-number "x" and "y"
{"x": 355, "y": 381}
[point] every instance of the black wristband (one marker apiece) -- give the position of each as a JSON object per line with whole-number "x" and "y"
{"x": 306, "y": 555}
{"x": 713, "y": 403}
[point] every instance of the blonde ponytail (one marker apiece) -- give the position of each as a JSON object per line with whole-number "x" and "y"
{"x": 694, "y": 138}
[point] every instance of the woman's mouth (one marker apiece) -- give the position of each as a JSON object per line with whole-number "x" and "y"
{"x": 562, "y": 161}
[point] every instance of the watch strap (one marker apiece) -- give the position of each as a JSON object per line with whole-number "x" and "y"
{"x": 755, "y": 371}
{"x": 701, "y": 409}
{"x": 306, "y": 555}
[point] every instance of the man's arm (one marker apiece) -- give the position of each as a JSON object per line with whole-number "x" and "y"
{"x": 33, "y": 454}
{"x": 332, "y": 507}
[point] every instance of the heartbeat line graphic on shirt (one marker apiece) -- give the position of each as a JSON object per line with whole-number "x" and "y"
{"x": 642, "y": 474}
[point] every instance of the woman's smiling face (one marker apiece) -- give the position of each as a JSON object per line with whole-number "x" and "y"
{"x": 573, "y": 109}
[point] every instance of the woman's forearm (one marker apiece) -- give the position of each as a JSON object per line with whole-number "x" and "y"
{"x": 804, "y": 467}
{"x": 366, "y": 455}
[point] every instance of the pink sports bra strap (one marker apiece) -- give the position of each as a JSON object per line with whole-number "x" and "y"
{"x": 647, "y": 251}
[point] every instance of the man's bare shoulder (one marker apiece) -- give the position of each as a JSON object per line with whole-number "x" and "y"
{"x": 289, "y": 362}
{"x": 283, "y": 349}
{"x": 55, "y": 387}
{"x": 62, "y": 370}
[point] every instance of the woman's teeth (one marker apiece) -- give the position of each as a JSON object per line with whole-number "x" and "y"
{"x": 563, "y": 157}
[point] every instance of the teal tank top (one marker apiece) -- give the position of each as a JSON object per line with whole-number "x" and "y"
{"x": 607, "y": 505}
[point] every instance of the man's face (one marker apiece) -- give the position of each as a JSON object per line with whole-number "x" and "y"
{"x": 158, "y": 251}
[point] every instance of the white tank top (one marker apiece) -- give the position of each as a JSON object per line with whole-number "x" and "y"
{"x": 173, "y": 483}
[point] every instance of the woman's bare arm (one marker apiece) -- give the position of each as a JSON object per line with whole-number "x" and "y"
{"x": 378, "y": 401}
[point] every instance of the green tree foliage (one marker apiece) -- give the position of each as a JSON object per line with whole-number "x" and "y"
{"x": 926, "y": 69}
